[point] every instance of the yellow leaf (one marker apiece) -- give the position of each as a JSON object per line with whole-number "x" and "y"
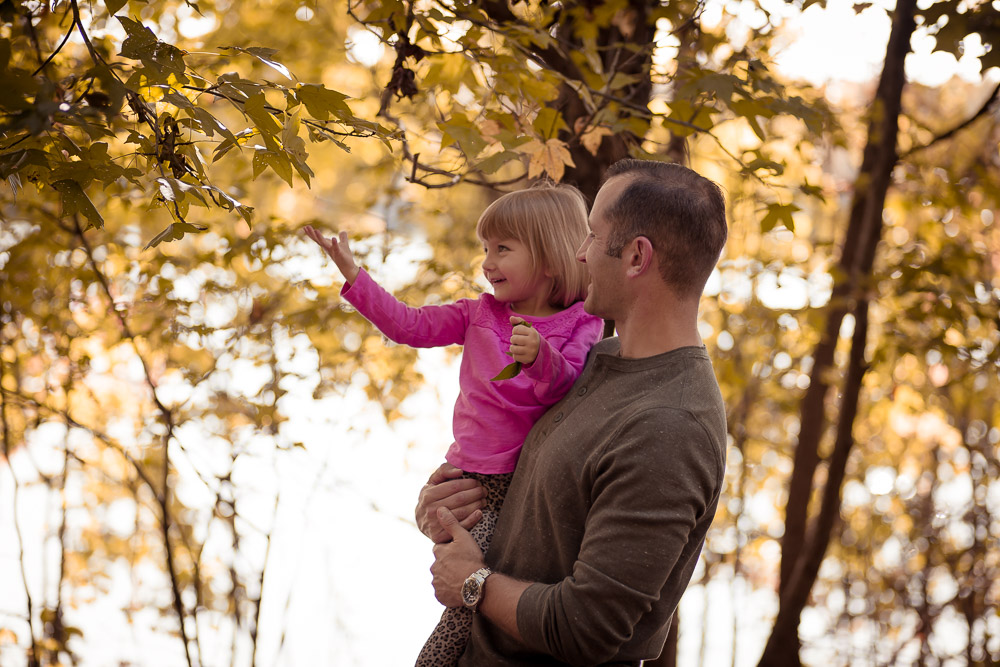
{"x": 550, "y": 158}
{"x": 592, "y": 138}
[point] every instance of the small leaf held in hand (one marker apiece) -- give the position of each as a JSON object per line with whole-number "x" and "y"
{"x": 509, "y": 371}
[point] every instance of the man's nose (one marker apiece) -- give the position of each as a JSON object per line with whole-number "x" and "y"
{"x": 581, "y": 252}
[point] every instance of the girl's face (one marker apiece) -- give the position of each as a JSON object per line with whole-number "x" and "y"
{"x": 515, "y": 278}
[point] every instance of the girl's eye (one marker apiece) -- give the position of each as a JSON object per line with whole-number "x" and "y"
{"x": 502, "y": 248}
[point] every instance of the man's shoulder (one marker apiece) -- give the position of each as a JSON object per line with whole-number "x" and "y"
{"x": 676, "y": 393}
{"x": 609, "y": 346}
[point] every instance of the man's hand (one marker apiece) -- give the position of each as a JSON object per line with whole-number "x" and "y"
{"x": 447, "y": 488}
{"x": 524, "y": 342}
{"x": 454, "y": 561}
{"x": 339, "y": 251}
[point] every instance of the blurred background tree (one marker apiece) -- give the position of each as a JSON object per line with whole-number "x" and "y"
{"x": 162, "y": 321}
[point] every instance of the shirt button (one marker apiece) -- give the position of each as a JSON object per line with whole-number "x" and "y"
{"x": 583, "y": 390}
{"x": 558, "y": 418}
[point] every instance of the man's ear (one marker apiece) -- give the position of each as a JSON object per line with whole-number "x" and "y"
{"x": 639, "y": 256}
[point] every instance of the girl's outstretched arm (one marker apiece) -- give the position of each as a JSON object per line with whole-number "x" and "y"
{"x": 339, "y": 251}
{"x": 425, "y": 326}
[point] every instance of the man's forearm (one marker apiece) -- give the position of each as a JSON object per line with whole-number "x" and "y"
{"x": 499, "y": 604}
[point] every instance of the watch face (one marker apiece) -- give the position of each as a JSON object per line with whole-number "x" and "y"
{"x": 470, "y": 592}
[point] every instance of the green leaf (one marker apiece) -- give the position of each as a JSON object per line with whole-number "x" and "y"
{"x": 255, "y": 108}
{"x": 764, "y": 163}
{"x": 176, "y": 99}
{"x": 231, "y": 85}
{"x": 229, "y": 202}
{"x": 304, "y": 172}
{"x": 755, "y": 126}
{"x": 494, "y": 162}
{"x": 527, "y": 34}
{"x": 75, "y": 200}
{"x": 509, "y": 371}
{"x": 460, "y": 131}
{"x": 812, "y": 190}
{"x": 321, "y": 101}
{"x": 142, "y": 44}
{"x": 230, "y": 143}
{"x": 174, "y": 190}
{"x": 279, "y": 162}
{"x": 114, "y": 5}
{"x": 723, "y": 85}
{"x": 174, "y": 232}
{"x": 549, "y": 122}
{"x": 210, "y": 124}
{"x": 750, "y": 110}
{"x": 779, "y": 214}
{"x": 30, "y": 162}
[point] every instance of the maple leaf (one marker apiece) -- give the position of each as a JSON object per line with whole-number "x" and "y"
{"x": 592, "y": 138}
{"x": 548, "y": 157}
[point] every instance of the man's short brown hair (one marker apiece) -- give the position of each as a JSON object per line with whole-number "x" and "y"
{"x": 682, "y": 213}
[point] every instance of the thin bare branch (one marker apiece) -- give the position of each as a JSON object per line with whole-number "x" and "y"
{"x": 34, "y": 657}
{"x": 944, "y": 136}
{"x": 168, "y": 418}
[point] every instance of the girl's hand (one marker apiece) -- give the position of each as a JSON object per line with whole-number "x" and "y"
{"x": 524, "y": 342}
{"x": 339, "y": 251}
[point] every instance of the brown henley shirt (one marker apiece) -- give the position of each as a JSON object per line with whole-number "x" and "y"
{"x": 613, "y": 494}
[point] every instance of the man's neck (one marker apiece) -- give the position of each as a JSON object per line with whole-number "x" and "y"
{"x": 653, "y": 327}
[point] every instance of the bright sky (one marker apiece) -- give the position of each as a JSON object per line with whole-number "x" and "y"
{"x": 837, "y": 43}
{"x": 346, "y": 556}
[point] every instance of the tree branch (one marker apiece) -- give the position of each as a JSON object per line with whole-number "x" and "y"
{"x": 58, "y": 48}
{"x": 34, "y": 657}
{"x": 168, "y": 419}
{"x": 958, "y": 128}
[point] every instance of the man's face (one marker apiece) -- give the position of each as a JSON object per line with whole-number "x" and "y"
{"x": 606, "y": 275}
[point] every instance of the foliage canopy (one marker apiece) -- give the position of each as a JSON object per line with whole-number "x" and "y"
{"x": 161, "y": 317}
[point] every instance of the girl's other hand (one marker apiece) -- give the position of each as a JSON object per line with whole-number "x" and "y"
{"x": 524, "y": 341}
{"x": 339, "y": 251}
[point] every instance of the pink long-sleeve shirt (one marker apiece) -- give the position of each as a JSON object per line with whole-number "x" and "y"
{"x": 491, "y": 419}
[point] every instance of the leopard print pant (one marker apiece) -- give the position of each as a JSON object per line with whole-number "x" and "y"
{"x": 447, "y": 642}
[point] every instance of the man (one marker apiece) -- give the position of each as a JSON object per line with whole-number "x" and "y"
{"x": 617, "y": 484}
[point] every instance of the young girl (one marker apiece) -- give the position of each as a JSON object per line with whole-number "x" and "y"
{"x": 535, "y": 316}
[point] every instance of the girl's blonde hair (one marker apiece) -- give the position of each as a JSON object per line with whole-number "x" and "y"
{"x": 551, "y": 220}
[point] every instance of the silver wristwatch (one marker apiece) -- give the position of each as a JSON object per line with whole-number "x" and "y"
{"x": 472, "y": 589}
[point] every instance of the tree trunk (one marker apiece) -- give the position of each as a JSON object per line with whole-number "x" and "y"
{"x": 802, "y": 551}
{"x": 628, "y": 49}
